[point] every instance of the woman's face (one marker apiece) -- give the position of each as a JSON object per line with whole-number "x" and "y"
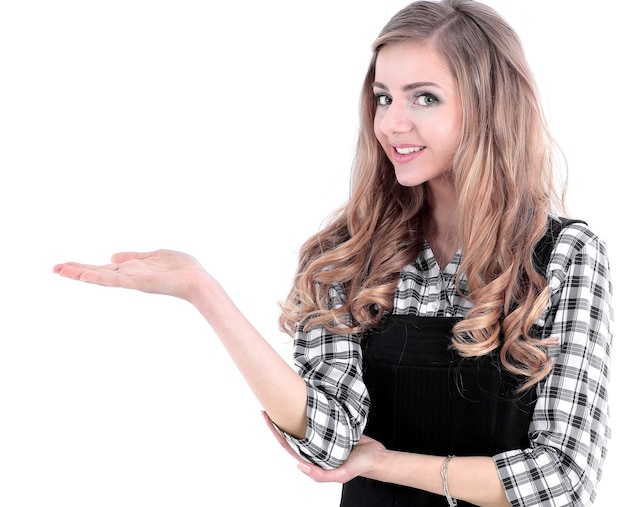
{"x": 418, "y": 114}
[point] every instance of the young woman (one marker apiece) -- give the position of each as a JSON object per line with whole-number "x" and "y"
{"x": 452, "y": 333}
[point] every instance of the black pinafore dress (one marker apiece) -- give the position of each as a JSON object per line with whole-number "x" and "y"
{"x": 427, "y": 399}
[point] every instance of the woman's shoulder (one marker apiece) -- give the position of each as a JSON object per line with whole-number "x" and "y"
{"x": 575, "y": 242}
{"x": 574, "y": 235}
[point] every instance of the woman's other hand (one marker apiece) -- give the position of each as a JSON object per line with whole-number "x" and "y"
{"x": 362, "y": 460}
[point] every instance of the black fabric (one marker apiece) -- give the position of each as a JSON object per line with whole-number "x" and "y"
{"x": 426, "y": 399}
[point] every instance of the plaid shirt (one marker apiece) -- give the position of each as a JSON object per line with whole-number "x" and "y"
{"x": 569, "y": 430}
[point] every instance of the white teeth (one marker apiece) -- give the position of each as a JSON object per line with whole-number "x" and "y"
{"x": 406, "y": 151}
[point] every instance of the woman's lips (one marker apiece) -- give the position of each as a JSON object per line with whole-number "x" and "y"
{"x": 405, "y": 153}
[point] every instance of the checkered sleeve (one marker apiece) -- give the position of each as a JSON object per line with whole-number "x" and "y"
{"x": 570, "y": 428}
{"x": 337, "y": 399}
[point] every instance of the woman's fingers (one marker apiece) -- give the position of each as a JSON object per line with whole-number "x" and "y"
{"x": 159, "y": 272}
{"x": 313, "y": 471}
{"x": 109, "y": 274}
{"x": 281, "y": 440}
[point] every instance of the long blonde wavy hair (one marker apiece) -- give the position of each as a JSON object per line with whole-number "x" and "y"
{"x": 503, "y": 175}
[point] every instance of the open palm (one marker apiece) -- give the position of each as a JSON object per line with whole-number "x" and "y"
{"x": 159, "y": 272}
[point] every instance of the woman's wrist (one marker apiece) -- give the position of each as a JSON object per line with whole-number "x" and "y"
{"x": 383, "y": 465}
{"x": 204, "y": 292}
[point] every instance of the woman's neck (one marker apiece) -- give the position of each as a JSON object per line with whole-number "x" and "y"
{"x": 444, "y": 246}
{"x": 442, "y": 229}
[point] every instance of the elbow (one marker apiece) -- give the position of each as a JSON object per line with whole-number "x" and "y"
{"x": 334, "y": 456}
{"x": 578, "y": 480}
{"x": 330, "y": 450}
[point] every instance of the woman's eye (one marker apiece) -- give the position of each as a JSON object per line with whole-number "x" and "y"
{"x": 382, "y": 99}
{"x": 426, "y": 99}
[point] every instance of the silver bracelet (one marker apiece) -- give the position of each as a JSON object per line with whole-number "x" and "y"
{"x": 444, "y": 478}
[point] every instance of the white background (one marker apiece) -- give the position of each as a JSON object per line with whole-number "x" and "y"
{"x": 226, "y": 131}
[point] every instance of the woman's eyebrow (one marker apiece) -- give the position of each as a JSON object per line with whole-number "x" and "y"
{"x": 407, "y": 88}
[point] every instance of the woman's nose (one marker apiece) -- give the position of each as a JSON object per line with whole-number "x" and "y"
{"x": 395, "y": 119}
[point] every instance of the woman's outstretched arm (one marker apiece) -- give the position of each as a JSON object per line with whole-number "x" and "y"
{"x": 279, "y": 389}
